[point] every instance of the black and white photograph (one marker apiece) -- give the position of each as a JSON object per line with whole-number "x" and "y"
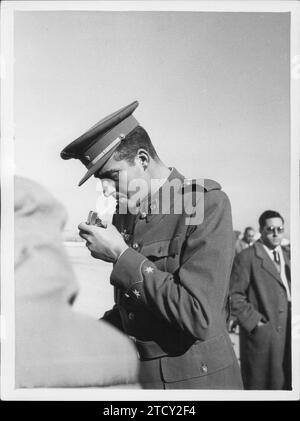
{"x": 150, "y": 200}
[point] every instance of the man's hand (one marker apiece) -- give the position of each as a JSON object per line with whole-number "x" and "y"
{"x": 260, "y": 323}
{"x": 233, "y": 324}
{"x": 104, "y": 243}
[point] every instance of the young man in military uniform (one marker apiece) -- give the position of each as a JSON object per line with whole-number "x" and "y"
{"x": 171, "y": 266}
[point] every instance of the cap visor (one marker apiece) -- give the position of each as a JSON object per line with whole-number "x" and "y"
{"x": 96, "y": 167}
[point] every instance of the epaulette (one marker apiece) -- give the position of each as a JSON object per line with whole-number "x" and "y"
{"x": 193, "y": 185}
{"x": 211, "y": 185}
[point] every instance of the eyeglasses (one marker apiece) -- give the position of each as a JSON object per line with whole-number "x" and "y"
{"x": 274, "y": 230}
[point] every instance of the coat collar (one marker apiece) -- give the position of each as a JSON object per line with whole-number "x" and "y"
{"x": 152, "y": 206}
{"x": 266, "y": 262}
{"x": 149, "y": 208}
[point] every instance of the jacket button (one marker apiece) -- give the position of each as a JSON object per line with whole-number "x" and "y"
{"x": 281, "y": 310}
{"x": 131, "y": 316}
{"x": 279, "y": 328}
{"x": 135, "y": 246}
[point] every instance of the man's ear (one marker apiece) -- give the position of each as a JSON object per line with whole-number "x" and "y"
{"x": 143, "y": 158}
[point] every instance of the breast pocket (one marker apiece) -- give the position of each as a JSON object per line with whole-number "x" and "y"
{"x": 163, "y": 254}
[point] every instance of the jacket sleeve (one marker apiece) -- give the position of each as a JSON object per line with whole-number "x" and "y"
{"x": 246, "y": 315}
{"x": 192, "y": 298}
{"x": 113, "y": 317}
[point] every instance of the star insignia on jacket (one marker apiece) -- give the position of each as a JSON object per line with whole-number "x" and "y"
{"x": 137, "y": 293}
{"x": 149, "y": 269}
{"x": 125, "y": 235}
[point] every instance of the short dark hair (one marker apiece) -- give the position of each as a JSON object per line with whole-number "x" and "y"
{"x": 248, "y": 229}
{"x": 138, "y": 138}
{"x": 267, "y": 215}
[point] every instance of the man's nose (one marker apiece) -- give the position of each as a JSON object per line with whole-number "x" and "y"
{"x": 108, "y": 187}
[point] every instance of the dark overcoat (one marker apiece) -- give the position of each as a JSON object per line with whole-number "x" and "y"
{"x": 257, "y": 293}
{"x": 171, "y": 289}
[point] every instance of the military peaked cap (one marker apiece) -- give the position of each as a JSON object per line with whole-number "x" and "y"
{"x": 97, "y": 145}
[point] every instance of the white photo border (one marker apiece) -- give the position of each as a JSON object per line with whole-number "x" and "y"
{"x": 8, "y": 392}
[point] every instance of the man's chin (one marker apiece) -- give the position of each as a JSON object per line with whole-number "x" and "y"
{"x": 275, "y": 244}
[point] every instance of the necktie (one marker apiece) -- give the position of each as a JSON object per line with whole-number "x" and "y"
{"x": 277, "y": 260}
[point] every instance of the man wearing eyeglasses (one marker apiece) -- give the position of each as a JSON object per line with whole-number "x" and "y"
{"x": 261, "y": 302}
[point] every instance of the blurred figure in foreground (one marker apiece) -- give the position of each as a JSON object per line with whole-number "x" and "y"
{"x": 261, "y": 302}
{"x": 246, "y": 241}
{"x": 55, "y": 347}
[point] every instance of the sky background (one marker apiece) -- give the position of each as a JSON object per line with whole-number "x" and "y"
{"x": 213, "y": 91}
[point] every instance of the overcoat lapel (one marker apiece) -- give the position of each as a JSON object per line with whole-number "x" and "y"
{"x": 286, "y": 259}
{"x": 287, "y": 267}
{"x": 266, "y": 262}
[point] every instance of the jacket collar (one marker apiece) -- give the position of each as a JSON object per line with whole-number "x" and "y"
{"x": 152, "y": 205}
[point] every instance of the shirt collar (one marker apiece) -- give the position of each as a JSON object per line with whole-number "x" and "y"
{"x": 270, "y": 251}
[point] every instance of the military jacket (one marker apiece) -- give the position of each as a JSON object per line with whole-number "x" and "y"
{"x": 171, "y": 284}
